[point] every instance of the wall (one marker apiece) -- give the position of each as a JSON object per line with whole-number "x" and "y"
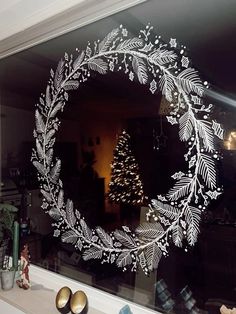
{"x": 106, "y": 128}
{"x": 16, "y": 126}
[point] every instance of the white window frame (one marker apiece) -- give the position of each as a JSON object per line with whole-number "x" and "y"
{"x": 84, "y": 13}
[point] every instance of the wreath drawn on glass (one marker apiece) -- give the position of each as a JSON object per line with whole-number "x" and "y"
{"x": 173, "y": 217}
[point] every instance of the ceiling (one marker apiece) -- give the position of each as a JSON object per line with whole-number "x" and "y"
{"x": 206, "y": 27}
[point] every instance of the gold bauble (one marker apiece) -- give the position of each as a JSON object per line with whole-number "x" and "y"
{"x": 63, "y": 300}
{"x": 78, "y": 303}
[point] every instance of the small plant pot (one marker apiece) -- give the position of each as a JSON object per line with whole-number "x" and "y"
{"x": 7, "y": 279}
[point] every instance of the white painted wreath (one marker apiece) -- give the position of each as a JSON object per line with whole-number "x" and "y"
{"x": 174, "y": 216}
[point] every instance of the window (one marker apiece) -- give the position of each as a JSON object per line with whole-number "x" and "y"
{"x": 113, "y": 122}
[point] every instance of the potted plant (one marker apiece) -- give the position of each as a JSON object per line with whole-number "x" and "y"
{"x": 9, "y": 230}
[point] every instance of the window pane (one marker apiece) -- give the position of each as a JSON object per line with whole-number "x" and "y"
{"x": 119, "y": 151}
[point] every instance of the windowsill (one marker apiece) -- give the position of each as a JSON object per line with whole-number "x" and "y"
{"x": 31, "y": 301}
{"x": 44, "y": 286}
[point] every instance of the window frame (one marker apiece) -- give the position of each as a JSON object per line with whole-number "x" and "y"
{"x": 84, "y": 13}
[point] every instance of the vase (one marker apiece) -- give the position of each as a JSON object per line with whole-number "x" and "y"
{"x": 7, "y": 279}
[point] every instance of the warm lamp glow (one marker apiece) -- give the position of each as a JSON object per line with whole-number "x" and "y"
{"x": 230, "y": 142}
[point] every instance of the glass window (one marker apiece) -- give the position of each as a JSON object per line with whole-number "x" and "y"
{"x": 114, "y": 129}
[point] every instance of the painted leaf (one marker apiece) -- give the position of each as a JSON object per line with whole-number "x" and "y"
{"x": 149, "y": 230}
{"x": 124, "y": 238}
{"x": 98, "y": 65}
{"x": 107, "y": 41}
{"x": 86, "y": 230}
{"x": 206, "y": 133}
{"x": 193, "y": 216}
{"x": 49, "y": 156}
{"x": 186, "y": 126}
{"x": 55, "y": 110}
{"x": 46, "y": 195}
{"x": 162, "y": 56}
{"x": 54, "y": 213}
{"x": 167, "y": 210}
{"x": 55, "y": 171}
{"x": 49, "y": 136}
{"x": 180, "y": 189}
{"x": 40, "y": 126}
{"x": 153, "y": 255}
{"x": 79, "y": 60}
{"x": 88, "y": 52}
{"x": 48, "y": 96}
{"x": 69, "y": 237}
{"x": 105, "y": 237}
{"x": 207, "y": 170}
{"x": 124, "y": 259}
{"x": 189, "y": 81}
{"x": 77, "y": 214}
{"x": 71, "y": 84}
{"x": 167, "y": 86}
{"x": 59, "y": 75}
{"x": 39, "y": 167}
{"x": 60, "y": 200}
{"x": 39, "y": 149}
{"x": 112, "y": 258}
{"x": 130, "y": 44}
{"x": 92, "y": 253}
{"x": 51, "y": 142}
{"x": 70, "y": 216}
{"x": 177, "y": 235}
{"x": 140, "y": 69}
{"x": 142, "y": 261}
{"x": 52, "y": 73}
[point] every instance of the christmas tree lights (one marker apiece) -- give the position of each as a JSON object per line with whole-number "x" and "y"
{"x": 126, "y": 185}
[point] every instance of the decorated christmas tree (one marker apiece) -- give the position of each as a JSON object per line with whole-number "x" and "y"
{"x": 125, "y": 186}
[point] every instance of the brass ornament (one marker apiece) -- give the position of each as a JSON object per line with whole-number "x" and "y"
{"x": 78, "y": 303}
{"x": 63, "y": 300}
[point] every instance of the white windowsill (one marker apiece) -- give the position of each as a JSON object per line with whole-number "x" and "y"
{"x": 45, "y": 284}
